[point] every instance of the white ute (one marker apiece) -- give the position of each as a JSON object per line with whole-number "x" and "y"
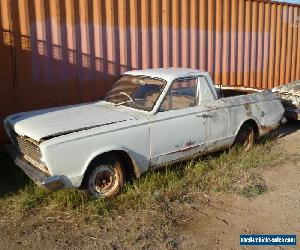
{"x": 148, "y": 119}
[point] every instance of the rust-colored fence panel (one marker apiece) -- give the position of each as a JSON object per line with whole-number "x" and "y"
{"x": 56, "y": 52}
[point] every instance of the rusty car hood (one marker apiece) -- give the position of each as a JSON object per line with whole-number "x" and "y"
{"x": 48, "y": 123}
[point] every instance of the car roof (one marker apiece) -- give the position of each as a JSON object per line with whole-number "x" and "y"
{"x": 168, "y": 74}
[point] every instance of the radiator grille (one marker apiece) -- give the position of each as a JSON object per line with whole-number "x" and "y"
{"x": 29, "y": 148}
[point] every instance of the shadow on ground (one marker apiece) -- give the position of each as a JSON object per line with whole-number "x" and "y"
{"x": 289, "y": 128}
{"x": 12, "y": 178}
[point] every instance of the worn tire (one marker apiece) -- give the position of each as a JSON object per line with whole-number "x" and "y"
{"x": 245, "y": 137}
{"x": 105, "y": 177}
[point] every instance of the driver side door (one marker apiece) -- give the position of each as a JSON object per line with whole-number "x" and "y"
{"x": 178, "y": 130}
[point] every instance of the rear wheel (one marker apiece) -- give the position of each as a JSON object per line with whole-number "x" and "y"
{"x": 245, "y": 137}
{"x": 105, "y": 177}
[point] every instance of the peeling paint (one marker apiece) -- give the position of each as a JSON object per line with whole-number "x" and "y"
{"x": 248, "y": 109}
{"x": 190, "y": 143}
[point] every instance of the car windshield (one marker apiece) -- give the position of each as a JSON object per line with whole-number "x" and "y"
{"x": 139, "y": 92}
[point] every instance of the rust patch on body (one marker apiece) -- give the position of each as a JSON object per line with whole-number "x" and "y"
{"x": 248, "y": 109}
{"x": 267, "y": 129}
{"x": 190, "y": 143}
{"x": 184, "y": 149}
{"x": 262, "y": 113}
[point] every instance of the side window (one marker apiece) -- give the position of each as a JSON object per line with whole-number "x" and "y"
{"x": 205, "y": 93}
{"x": 182, "y": 94}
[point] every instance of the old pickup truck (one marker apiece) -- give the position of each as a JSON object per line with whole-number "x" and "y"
{"x": 148, "y": 119}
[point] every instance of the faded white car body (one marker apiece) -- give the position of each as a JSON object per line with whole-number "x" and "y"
{"x": 70, "y": 137}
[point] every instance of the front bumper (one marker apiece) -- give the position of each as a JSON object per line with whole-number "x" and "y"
{"x": 51, "y": 183}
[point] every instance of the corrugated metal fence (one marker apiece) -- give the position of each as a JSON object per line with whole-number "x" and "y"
{"x": 56, "y": 52}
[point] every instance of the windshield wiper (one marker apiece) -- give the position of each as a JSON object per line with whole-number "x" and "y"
{"x": 121, "y": 103}
{"x": 127, "y": 95}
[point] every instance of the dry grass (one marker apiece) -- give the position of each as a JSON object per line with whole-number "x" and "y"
{"x": 147, "y": 205}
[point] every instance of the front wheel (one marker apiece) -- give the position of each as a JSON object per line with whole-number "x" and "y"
{"x": 244, "y": 138}
{"x": 105, "y": 178}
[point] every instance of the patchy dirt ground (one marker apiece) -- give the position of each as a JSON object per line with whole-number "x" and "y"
{"x": 212, "y": 221}
{"x": 219, "y": 220}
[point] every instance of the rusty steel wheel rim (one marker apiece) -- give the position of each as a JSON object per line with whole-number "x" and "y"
{"x": 249, "y": 140}
{"x": 103, "y": 179}
{"x": 246, "y": 139}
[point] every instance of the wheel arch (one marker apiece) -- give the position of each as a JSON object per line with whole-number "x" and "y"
{"x": 131, "y": 168}
{"x": 253, "y": 123}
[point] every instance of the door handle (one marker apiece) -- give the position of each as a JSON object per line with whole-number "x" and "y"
{"x": 204, "y": 116}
